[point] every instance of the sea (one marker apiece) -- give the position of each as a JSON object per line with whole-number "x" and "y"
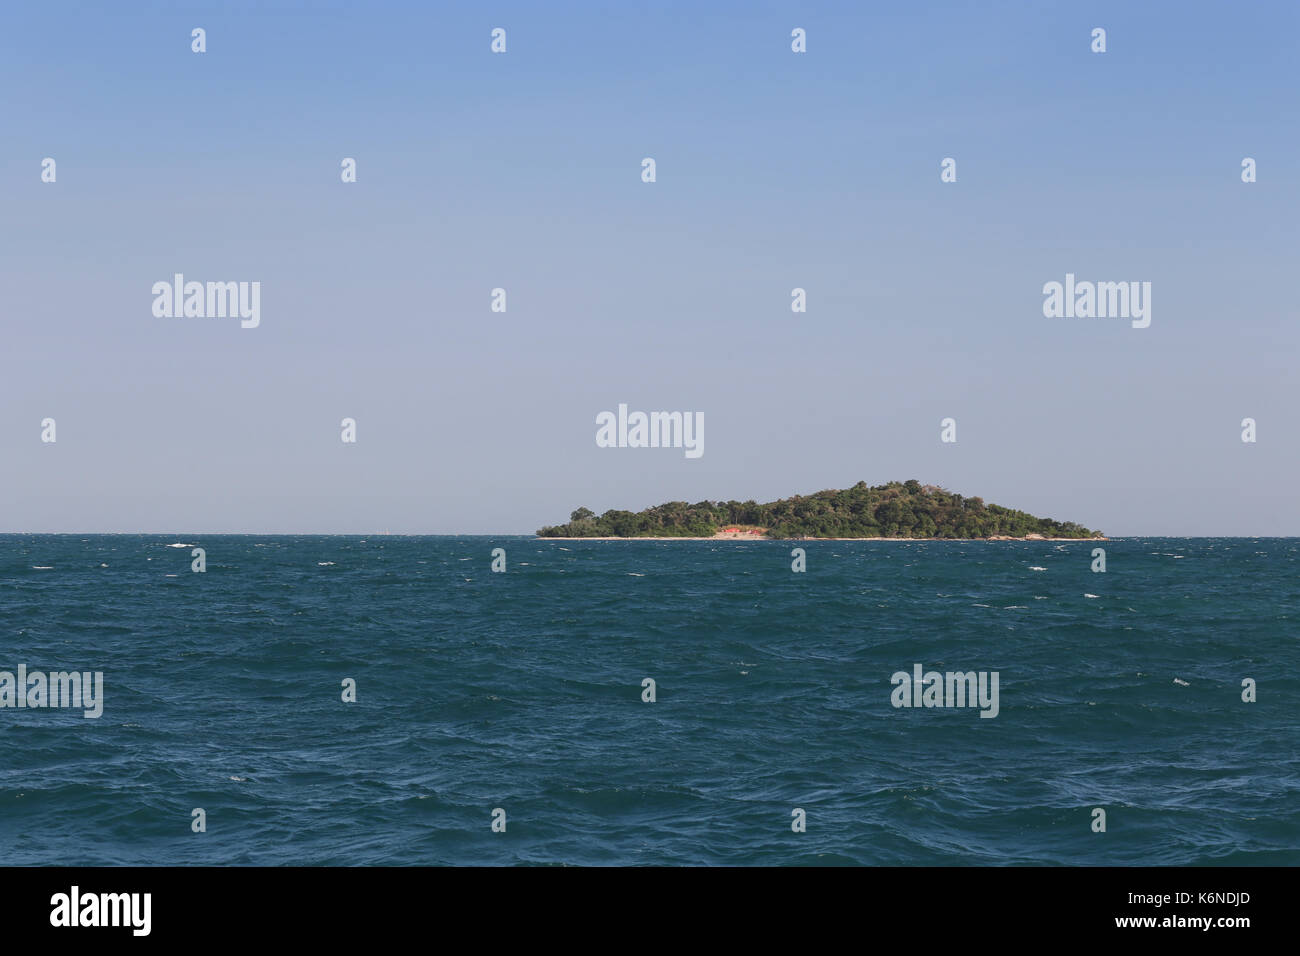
{"x": 393, "y": 700}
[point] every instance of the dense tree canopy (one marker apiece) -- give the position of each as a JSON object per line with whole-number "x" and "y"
{"x": 900, "y": 509}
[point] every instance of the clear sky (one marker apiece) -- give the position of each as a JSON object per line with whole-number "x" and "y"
{"x": 522, "y": 170}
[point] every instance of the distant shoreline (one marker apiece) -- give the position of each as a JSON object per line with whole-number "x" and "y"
{"x": 759, "y": 537}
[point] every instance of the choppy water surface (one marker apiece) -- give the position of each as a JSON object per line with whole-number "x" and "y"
{"x": 523, "y": 690}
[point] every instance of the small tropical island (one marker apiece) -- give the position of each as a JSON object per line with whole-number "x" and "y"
{"x": 898, "y": 510}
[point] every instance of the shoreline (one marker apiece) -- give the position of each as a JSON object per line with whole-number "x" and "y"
{"x": 756, "y": 537}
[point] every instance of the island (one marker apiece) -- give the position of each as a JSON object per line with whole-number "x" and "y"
{"x": 898, "y": 510}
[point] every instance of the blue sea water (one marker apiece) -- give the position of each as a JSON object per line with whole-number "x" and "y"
{"x": 523, "y": 691}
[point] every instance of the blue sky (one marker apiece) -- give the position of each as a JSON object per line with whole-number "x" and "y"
{"x": 774, "y": 170}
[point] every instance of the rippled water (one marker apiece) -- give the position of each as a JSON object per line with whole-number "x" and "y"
{"x": 523, "y": 691}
